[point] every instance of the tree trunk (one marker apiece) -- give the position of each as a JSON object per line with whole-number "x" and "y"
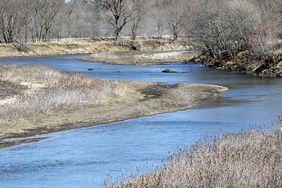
{"x": 116, "y": 35}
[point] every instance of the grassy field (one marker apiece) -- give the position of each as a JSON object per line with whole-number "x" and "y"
{"x": 247, "y": 159}
{"x": 36, "y": 99}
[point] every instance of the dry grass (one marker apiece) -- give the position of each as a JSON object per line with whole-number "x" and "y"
{"x": 49, "y": 90}
{"x": 246, "y": 159}
{"x": 141, "y": 58}
{"x": 8, "y": 89}
{"x": 82, "y": 46}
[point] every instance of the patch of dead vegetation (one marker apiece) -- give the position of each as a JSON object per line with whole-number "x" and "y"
{"x": 49, "y": 90}
{"x": 79, "y": 46}
{"x": 141, "y": 58}
{"x": 247, "y": 159}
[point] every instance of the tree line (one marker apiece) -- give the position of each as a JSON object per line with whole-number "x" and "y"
{"x": 29, "y": 19}
{"x": 219, "y": 25}
{"x": 41, "y": 20}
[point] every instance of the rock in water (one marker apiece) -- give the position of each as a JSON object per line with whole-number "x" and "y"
{"x": 168, "y": 71}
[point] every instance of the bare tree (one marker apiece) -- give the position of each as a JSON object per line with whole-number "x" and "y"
{"x": 160, "y": 27}
{"x": 160, "y": 17}
{"x": 7, "y": 20}
{"x": 44, "y": 14}
{"x": 82, "y": 19}
{"x": 138, "y": 16}
{"x": 220, "y": 25}
{"x": 236, "y": 25}
{"x": 176, "y": 18}
{"x": 267, "y": 25}
{"x": 120, "y": 13}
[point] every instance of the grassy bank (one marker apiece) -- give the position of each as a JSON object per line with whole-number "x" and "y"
{"x": 141, "y": 58}
{"x": 37, "y": 99}
{"x": 246, "y": 159}
{"x": 83, "y": 46}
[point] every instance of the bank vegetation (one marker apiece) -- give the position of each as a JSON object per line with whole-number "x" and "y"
{"x": 250, "y": 158}
{"x": 242, "y": 36}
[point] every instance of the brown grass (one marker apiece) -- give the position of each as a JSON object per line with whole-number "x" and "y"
{"x": 141, "y": 58}
{"x": 246, "y": 159}
{"x": 50, "y": 90}
{"x": 79, "y": 46}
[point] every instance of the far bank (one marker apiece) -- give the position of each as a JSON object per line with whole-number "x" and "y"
{"x": 70, "y": 46}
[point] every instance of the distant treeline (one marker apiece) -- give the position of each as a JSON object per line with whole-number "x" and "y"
{"x": 219, "y": 25}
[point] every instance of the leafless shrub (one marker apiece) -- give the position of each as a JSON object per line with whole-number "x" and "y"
{"x": 176, "y": 18}
{"x": 28, "y": 19}
{"x": 247, "y": 159}
{"x": 118, "y": 14}
{"x": 232, "y": 26}
{"x": 138, "y": 16}
{"x": 227, "y": 20}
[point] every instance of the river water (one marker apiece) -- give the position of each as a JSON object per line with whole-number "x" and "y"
{"x": 85, "y": 157}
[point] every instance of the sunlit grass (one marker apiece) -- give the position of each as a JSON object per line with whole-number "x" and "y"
{"x": 47, "y": 90}
{"x": 246, "y": 159}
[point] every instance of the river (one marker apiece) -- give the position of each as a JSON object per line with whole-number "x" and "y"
{"x": 85, "y": 157}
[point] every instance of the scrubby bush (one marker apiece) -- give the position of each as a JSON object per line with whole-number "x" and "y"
{"x": 233, "y": 26}
{"x": 246, "y": 159}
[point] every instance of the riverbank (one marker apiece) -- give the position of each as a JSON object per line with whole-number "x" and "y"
{"x": 142, "y": 57}
{"x": 37, "y": 100}
{"x": 89, "y": 46}
{"x": 244, "y": 63}
{"x": 247, "y": 159}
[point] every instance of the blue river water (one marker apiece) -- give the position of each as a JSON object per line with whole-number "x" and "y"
{"x": 86, "y": 157}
